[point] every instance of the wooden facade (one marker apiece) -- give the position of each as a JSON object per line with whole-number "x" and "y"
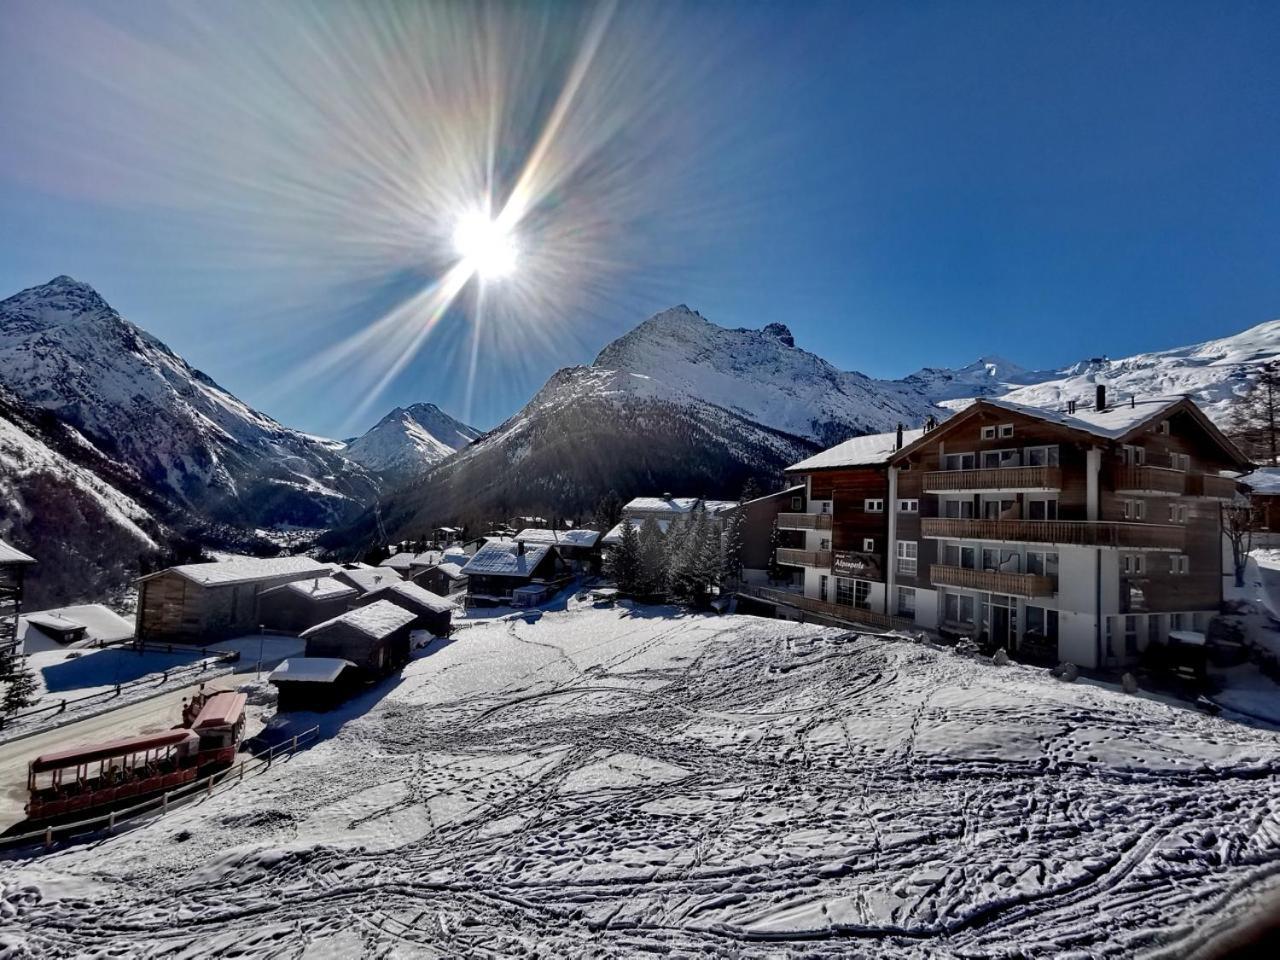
{"x": 285, "y": 610}
{"x": 373, "y": 655}
{"x": 13, "y": 569}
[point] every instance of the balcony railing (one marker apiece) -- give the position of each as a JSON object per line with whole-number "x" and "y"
{"x": 1147, "y": 479}
{"x": 837, "y": 611}
{"x": 993, "y": 478}
{"x": 804, "y": 521}
{"x": 990, "y": 581}
{"x": 805, "y": 558}
{"x": 1211, "y": 485}
{"x": 1082, "y": 533}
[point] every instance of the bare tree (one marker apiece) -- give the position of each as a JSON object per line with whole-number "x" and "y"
{"x": 1254, "y": 422}
{"x": 1239, "y": 520}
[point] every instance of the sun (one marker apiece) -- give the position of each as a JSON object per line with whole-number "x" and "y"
{"x": 485, "y": 245}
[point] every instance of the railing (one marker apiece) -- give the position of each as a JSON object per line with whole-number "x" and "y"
{"x": 1083, "y": 533}
{"x": 166, "y": 801}
{"x": 1147, "y": 479}
{"x": 990, "y": 581}
{"x": 837, "y": 611}
{"x": 805, "y": 558}
{"x": 804, "y": 521}
{"x": 1211, "y": 485}
{"x": 993, "y": 478}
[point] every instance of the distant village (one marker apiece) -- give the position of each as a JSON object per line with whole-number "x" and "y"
{"x": 1102, "y": 538}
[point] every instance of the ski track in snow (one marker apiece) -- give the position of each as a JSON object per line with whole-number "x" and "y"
{"x": 620, "y": 783}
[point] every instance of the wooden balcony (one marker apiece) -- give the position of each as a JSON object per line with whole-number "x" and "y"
{"x": 989, "y": 581}
{"x": 836, "y": 611}
{"x": 1158, "y": 481}
{"x": 1211, "y": 485}
{"x": 804, "y": 521}
{"x": 805, "y": 558}
{"x": 993, "y": 478}
{"x": 1081, "y": 533}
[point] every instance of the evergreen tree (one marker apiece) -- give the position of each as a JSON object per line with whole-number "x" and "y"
{"x": 653, "y": 559}
{"x": 18, "y": 682}
{"x": 731, "y": 549}
{"x": 1254, "y": 421}
{"x": 677, "y": 557}
{"x": 750, "y": 490}
{"x": 608, "y": 512}
{"x": 623, "y": 565}
{"x": 776, "y": 570}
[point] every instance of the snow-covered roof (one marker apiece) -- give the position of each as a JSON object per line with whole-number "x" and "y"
{"x": 662, "y": 504}
{"x": 1191, "y": 638}
{"x": 872, "y": 449}
{"x": 405, "y": 560}
{"x": 504, "y": 560}
{"x": 786, "y": 491}
{"x": 100, "y": 624}
{"x": 1116, "y": 420}
{"x": 317, "y": 588}
{"x": 452, "y": 568}
{"x": 11, "y": 554}
{"x": 369, "y": 578}
{"x": 376, "y": 620}
{"x": 52, "y": 621}
{"x": 565, "y": 538}
{"x": 1265, "y": 480}
{"x": 246, "y": 570}
{"x": 717, "y": 507}
{"x": 419, "y": 595}
{"x": 614, "y": 536}
{"x": 310, "y": 669}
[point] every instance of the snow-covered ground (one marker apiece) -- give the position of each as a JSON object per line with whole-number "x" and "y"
{"x": 617, "y": 782}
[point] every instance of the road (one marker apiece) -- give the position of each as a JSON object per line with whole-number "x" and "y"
{"x": 132, "y": 719}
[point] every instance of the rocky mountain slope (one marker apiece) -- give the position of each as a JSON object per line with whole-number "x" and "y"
{"x": 408, "y": 441}
{"x": 63, "y": 349}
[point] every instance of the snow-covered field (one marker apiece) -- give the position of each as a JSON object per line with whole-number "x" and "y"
{"x": 617, "y": 782}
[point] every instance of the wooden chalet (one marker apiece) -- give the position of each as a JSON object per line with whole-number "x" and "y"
{"x": 1263, "y": 487}
{"x": 578, "y": 548}
{"x": 315, "y": 683}
{"x": 375, "y": 638}
{"x": 365, "y": 578}
{"x": 13, "y": 569}
{"x": 446, "y": 577}
{"x": 299, "y": 604}
{"x": 432, "y": 612}
{"x": 198, "y": 602}
{"x": 505, "y": 571}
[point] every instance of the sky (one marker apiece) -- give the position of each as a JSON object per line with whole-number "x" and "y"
{"x": 274, "y": 189}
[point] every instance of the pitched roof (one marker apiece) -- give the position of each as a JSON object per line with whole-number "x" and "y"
{"x": 874, "y": 448}
{"x": 100, "y": 624}
{"x": 375, "y": 621}
{"x": 717, "y": 507}
{"x": 504, "y": 560}
{"x": 662, "y": 504}
{"x": 614, "y": 536}
{"x": 11, "y": 554}
{"x": 565, "y": 538}
{"x": 416, "y": 594}
{"x": 310, "y": 669}
{"x": 218, "y": 573}
{"x": 1265, "y": 480}
{"x": 316, "y": 588}
{"x": 369, "y": 578}
{"x": 404, "y": 560}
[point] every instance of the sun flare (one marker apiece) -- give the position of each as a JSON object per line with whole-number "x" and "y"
{"x": 485, "y": 245}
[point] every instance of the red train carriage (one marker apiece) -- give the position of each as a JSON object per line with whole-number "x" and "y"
{"x": 220, "y": 726}
{"x": 84, "y": 778}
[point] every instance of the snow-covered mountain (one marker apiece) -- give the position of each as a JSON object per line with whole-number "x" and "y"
{"x": 409, "y": 440}
{"x": 64, "y": 350}
{"x": 985, "y": 377}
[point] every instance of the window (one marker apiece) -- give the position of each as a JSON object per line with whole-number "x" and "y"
{"x": 1000, "y": 560}
{"x": 1134, "y": 456}
{"x": 1135, "y": 510}
{"x": 906, "y": 602}
{"x": 1131, "y": 636}
{"x": 1043, "y": 563}
{"x": 1041, "y": 456}
{"x": 1042, "y": 508}
{"x": 1164, "y": 427}
{"x": 868, "y": 545}
{"x": 826, "y": 506}
{"x": 1179, "y": 563}
{"x": 958, "y": 608}
{"x": 1180, "y": 461}
{"x": 822, "y": 587}
{"x": 908, "y": 506}
{"x": 797, "y": 504}
{"x": 1002, "y": 458}
{"x": 958, "y": 461}
{"x": 908, "y": 557}
{"x": 844, "y": 591}
{"x": 958, "y": 555}
{"x": 824, "y": 544}
{"x": 1133, "y": 564}
{"x": 988, "y": 433}
{"x": 998, "y": 509}
{"x": 1042, "y": 623}
{"x": 1177, "y": 513}
{"x": 862, "y": 594}
{"x": 1177, "y": 621}
{"x": 1006, "y": 430}
{"x": 873, "y": 506}
{"x": 958, "y": 509}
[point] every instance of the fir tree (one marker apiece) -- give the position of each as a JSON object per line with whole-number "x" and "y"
{"x": 653, "y": 559}
{"x": 18, "y": 681}
{"x": 731, "y": 549}
{"x": 623, "y": 565}
{"x": 608, "y": 512}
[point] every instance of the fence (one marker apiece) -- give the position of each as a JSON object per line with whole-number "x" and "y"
{"x": 166, "y": 801}
{"x": 194, "y": 669}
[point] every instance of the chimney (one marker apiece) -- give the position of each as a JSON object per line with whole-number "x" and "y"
{"x": 520, "y": 548}
{"x": 1100, "y": 403}
{"x": 1071, "y": 406}
{"x": 666, "y": 496}
{"x": 899, "y": 446}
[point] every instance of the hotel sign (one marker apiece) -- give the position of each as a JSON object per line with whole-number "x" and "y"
{"x": 846, "y": 563}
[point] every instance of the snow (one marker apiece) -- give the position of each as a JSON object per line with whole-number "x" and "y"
{"x": 369, "y": 579}
{"x": 672, "y": 505}
{"x": 101, "y": 626}
{"x": 1265, "y": 480}
{"x": 505, "y": 560}
{"x": 410, "y": 440}
{"x": 318, "y": 588}
{"x": 11, "y": 554}
{"x": 406, "y": 560}
{"x": 235, "y": 569}
{"x": 452, "y": 568}
{"x": 419, "y": 595}
{"x": 310, "y": 669}
{"x": 633, "y": 781}
{"x": 614, "y": 536}
{"x": 1118, "y": 419}
{"x": 569, "y": 538}
{"x": 375, "y": 620}
{"x": 860, "y": 451}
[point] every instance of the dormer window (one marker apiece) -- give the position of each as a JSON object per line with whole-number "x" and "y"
{"x": 988, "y": 433}
{"x": 1006, "y": 430}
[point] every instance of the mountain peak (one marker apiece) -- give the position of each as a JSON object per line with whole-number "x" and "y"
{"x": 409, "y": 440}
{"x": 780, "y": 332}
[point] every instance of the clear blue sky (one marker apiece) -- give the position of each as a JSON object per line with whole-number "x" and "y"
{"x": 903, "y": 184}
